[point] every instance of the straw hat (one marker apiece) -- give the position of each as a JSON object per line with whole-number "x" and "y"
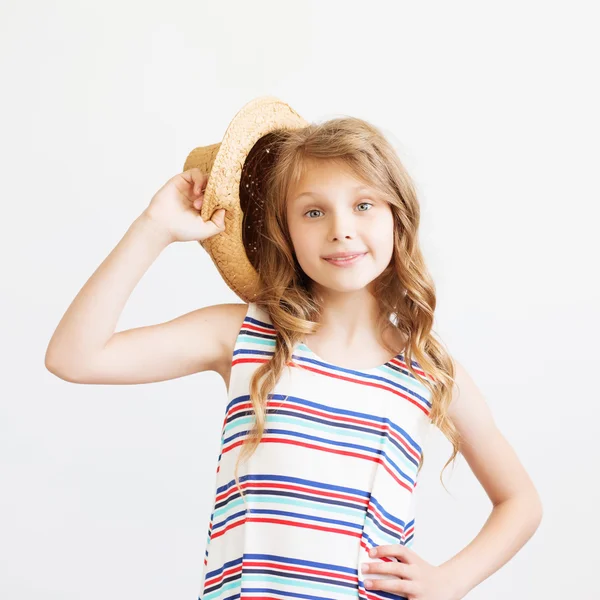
{"x": 235, "y": 167}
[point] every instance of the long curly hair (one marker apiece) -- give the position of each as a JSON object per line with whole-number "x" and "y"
{"x": 404, "y": 291}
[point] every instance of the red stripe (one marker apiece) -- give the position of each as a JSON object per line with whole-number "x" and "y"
{"x": 253, "y": 327}
{"x": 425, "y": 409}
{"x": 297, "y": 569}
{"x": 317, "y": 492}
{"x": 345, "y": 419}
{"x": 267, "y": 439}
{"x": 304, "y": 526}
{"x": 296, "y": 488}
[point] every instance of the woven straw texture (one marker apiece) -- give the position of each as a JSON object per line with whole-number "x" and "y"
{"x": 223, "y": 162}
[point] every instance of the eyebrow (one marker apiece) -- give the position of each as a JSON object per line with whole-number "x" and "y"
{"x": 356, "y": 188}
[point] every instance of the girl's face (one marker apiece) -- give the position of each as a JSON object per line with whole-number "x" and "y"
{"x": 330, "y": 211}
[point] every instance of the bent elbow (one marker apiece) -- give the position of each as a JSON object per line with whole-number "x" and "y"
{"x": 61, "y": 369}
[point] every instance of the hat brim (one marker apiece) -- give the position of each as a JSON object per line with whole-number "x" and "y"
{"x": 254, "y": 120}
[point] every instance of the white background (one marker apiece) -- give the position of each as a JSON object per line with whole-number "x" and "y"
{"x": 106, "y": 491}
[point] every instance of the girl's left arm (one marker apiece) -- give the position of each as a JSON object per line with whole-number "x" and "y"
{"x": 517, "y": 508}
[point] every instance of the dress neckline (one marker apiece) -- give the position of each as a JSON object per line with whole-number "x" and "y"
{"x": 387, "y": 363}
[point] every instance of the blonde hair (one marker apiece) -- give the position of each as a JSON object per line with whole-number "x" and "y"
{"x": 404, "y": 291}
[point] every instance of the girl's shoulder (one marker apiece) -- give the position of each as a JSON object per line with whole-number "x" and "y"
{"x": 235, "y": 314}
{"x": 240, "y": 317}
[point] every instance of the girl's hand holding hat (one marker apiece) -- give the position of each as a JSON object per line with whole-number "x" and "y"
{"x": 175, "y": 208}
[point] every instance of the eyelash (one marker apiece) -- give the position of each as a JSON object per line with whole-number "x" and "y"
{"x": 313, "y": 209}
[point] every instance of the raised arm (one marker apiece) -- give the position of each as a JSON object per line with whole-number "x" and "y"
{"x": 85, "y": 348}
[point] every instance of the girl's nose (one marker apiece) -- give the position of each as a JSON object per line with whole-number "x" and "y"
{"x": 341, "y": 228}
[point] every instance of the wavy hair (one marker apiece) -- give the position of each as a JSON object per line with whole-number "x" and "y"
{"x": 405, "y": 292}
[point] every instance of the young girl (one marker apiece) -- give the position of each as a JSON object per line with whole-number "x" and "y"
{"x": 333, "y": 378}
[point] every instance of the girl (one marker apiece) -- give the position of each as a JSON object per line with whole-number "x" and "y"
{"x": 332, "y": 372}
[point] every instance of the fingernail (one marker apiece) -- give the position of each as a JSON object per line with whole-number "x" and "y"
{"x": 368, "y": 583}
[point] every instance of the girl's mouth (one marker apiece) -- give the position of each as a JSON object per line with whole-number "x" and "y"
{"x": 346, "y": 261}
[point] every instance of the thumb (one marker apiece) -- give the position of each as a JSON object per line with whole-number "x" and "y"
{"x": 218, "y": 218}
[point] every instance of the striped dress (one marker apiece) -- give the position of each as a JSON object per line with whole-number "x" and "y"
{"x": 333, "y": 476}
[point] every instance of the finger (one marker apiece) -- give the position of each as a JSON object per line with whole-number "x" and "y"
{"x": 397, "y": 550}
{"x": 199, "y": 188}
{"x": 187, "y": 176}
{"x": 218, "y": 218}
{"x": 200, "y": 180}
{"x": 386, "y": 568}
{"x": 396, "y": 586}
{"x": 196, "y": 178}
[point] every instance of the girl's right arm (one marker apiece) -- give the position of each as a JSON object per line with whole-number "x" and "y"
{"x": 85, "y": 348}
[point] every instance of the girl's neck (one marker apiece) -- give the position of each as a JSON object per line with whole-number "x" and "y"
{"x": 349, "y": 326}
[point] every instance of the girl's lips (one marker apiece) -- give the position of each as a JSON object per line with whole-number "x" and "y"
{"x": 345, "y": 262}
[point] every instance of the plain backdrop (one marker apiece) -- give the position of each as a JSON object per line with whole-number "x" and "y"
{"x": 106, "y": 491}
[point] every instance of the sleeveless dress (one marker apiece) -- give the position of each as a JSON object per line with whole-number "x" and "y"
{"x": 333, "y": 476}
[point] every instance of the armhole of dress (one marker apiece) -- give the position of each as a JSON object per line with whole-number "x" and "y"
{"x": 239, "y": 343}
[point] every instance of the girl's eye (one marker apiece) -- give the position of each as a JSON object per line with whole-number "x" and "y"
{"x": 361, "y": 204}
{"x": 312, "y": 211}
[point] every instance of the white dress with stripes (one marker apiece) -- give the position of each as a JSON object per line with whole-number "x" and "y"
{"x": 333, "y": 476}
